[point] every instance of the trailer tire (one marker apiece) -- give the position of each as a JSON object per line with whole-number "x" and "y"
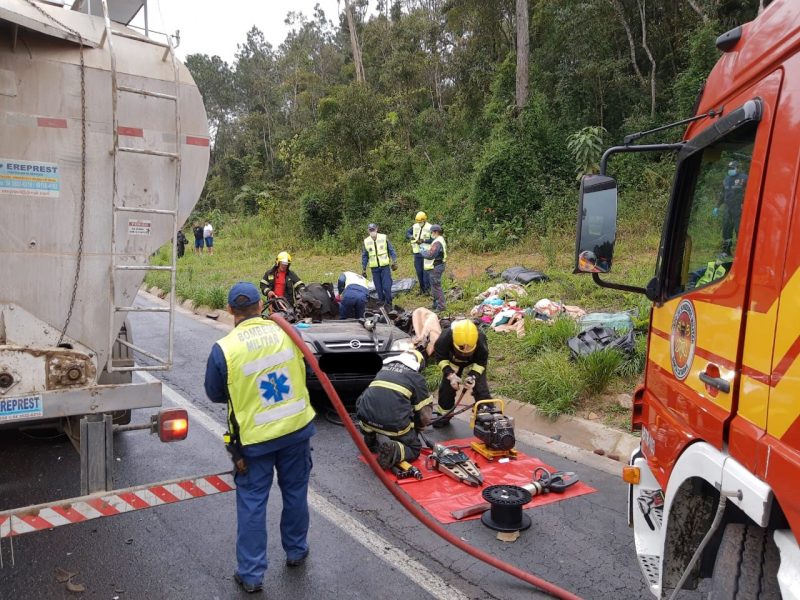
{"x": 747, "y": 564}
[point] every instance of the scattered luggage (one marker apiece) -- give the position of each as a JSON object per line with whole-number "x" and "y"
{"x": 600, "y": 338}
{"x": 523, "y": 275}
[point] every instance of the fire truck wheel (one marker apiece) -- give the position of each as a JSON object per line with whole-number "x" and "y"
{"x": 746, "y": 566}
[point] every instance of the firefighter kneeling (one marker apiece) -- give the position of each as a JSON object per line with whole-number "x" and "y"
{"x": 394, "y": 406}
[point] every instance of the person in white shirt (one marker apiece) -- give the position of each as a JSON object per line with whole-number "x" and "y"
{"x": 208, "y": 236}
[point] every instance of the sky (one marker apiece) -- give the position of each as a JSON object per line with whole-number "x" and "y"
{"x": 217, "y": 26}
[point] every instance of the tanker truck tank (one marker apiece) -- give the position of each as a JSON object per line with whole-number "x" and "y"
{"x": 104, "y": 150}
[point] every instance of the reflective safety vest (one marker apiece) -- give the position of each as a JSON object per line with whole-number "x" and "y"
{"x": 351, "y": 278}
{"x": 713, "y": 272}
{"x": 429, "y": 263}
{"x": 378, "y": 251}
{"x": 266, "y": 382}
{"x": 420, "y": 235}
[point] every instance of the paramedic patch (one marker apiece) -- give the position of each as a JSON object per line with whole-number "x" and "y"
{"x": 683, "y": 339}
{"x": 26, "y": 178}
{"x": 21, "y": 407}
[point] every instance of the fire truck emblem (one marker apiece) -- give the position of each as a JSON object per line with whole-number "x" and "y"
{"x": 683, "y": 339}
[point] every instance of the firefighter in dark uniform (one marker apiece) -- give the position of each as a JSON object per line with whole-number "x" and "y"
{"x": 281, "y": 281}
{"x": 462, "y": 353}
{"x": 394, "y": 406}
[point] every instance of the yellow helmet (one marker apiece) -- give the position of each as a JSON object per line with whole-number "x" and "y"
{"x": 283, "y": 257}
{"x": 421, "y": 216}
{"x": 465, "y": 336}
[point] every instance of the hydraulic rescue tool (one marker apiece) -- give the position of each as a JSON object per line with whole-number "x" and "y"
{"x": 543, "y": 482}
{"x": 494, "y": 430}
{"x": 455, "y": 464}
{"x": 404, "y": 470}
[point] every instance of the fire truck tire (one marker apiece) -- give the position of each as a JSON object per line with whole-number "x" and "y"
{"x": 747, "y": 564}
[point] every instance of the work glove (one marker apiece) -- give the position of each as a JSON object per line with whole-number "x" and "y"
{"x": 455, "y": 381}
{"x": 469, "y": 382}
{"x": 394, "y": 266}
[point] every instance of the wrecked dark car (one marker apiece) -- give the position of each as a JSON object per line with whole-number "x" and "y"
{"x": 351, "y": 352}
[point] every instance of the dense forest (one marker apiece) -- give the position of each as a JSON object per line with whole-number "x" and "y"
{"x": 482, "y": 112}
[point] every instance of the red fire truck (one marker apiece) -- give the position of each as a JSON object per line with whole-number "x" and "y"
{"x": 714, "y": 486}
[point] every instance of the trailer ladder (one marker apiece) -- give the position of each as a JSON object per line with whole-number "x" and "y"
{"x": 162, "y": 363}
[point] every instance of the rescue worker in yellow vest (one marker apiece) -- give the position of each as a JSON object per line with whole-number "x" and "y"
{"x": 258, "y": 371}
{"x": 420, "y": 236}
{"x": 394, "y": 406}
{"x": 462, "y": 353}
{"x": 434, "y": 259}
{"x": 379, "y": 253}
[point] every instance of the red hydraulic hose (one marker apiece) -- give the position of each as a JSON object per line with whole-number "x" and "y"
{"x": 530, "y": 578}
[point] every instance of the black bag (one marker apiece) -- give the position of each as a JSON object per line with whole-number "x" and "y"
{"x": 523, "y": 275}
{"x": 600, "y": 338}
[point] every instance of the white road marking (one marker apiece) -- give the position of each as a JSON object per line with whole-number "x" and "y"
{"x": 379, "y": 546}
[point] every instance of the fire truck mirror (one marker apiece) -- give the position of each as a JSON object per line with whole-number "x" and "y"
{"x": 597, "y": 224}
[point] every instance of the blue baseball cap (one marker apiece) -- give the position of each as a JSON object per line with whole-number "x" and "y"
{"x": 372, "y": 227}
{"x": 248, "y": 291}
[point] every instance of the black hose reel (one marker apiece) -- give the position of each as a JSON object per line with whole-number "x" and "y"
{"x": 506, "y": 503}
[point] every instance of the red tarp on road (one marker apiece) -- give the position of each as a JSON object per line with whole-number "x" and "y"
{"x": 439, "y": 494}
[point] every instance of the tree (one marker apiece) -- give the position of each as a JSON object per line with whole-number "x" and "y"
{"x": 522, "y": 53}
{"x": 357, "y": 60}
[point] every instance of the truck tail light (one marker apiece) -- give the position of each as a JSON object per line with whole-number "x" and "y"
{"x": 173, "y": 424}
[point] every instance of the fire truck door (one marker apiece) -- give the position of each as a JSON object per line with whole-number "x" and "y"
{"x": 694, "y": 352}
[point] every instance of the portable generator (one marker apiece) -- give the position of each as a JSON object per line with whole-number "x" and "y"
{"x": 494, "y": 430}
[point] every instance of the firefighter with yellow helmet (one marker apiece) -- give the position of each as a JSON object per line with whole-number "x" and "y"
{"x": 462, "y": 353}
{"x": 394, "y": 406}
{"x": 281, "y": 281}
{"x": 419, "y": 234}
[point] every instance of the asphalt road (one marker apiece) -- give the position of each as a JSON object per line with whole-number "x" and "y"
{"x": 363, "y": 544}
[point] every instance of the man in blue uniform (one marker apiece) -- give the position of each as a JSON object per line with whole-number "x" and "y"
{"x": 353, "y": 295}
{"x": 258, "y": 371}
{"x": 379, "y": 254}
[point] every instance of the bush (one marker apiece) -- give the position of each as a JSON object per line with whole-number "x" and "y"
{"x": 548, "y": 336}
{"x": 552, "y": 383}
{"x": 598, "y": 369}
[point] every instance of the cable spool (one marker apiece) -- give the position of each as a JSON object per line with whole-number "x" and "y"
{"x": 506, "y": 511}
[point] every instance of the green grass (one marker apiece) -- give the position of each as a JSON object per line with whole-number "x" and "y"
{"x": 535, "y": 368}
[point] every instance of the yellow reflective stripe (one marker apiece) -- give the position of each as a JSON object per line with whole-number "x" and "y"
{"x": 298, "y": 284}
{"x": 446, "y": 363}
{"x": 393, "y": 386}
{"x": 370, "y": 428}
{"x": 477, "y": 368}
{"x": 428, "y": 400}
{"x": 402, "y": 451}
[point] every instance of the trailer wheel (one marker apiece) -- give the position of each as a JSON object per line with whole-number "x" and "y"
{"x": 747, "y": 564}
